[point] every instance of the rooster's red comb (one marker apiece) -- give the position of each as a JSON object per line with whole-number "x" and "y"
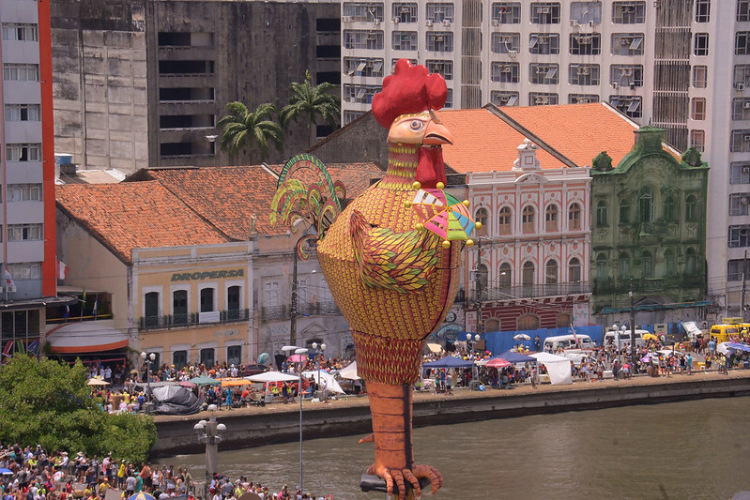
{"x": 410, "y": 89}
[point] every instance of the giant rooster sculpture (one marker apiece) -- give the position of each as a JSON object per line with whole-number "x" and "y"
{"x": 393, "y": 279}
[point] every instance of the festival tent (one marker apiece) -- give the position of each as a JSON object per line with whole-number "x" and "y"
{"x": 497, "y": 363}
{"x": 273, "y": 377}
{"x": 333, "y": 385}
{"x": 738, "y": 346}
{"x": 558, "y": 367}
{"x": 350, "y": 372}
{"x": 204, "y": 380}
{"x": 448, "y": 362}
{"x": 174, "y": 399}
{"x": 515, "y": 357}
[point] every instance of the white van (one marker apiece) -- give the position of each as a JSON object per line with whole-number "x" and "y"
{"x": 552, "y": 344}
{"x": 620, "y": 338}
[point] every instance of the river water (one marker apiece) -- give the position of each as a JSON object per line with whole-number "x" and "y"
{"x": 688, "y": 450}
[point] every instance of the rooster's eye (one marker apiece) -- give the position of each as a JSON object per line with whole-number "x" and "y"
{"x": 416, "y": 125}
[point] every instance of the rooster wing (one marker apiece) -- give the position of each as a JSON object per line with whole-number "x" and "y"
{"x": 402, "y": 262}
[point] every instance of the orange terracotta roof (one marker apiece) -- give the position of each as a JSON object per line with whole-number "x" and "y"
{"x": 482, "y": 142}
{"x": 126, "y": 216}
{"x": 578, "y": 131}
{"x": 227, "y": 197}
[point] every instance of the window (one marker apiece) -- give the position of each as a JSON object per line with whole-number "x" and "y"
{"x": 361, "y": 11}
{"x": 629, "y": 105}
{"x": 544, "y": 43}
{"x": 405, "y": 40}
{"x": 550, "y": 218}
{"x": 627, "y": 44}
{"x": 702, "y": 11}
{"x": 736, "y": 270}
{"x": 506, "y": 275}
{"x": 233, "y": 302}
{"x": 179, "y": 307}
{"x": 602, "y": 215}
{"x": 739, "y": 173}
{"x": 350, "y": 116}
{"x": 741, "y": 76}
{"x": 647, "y": 265}
{"x": 741, "y": 43}
{"x": 624, "y": 211}
{"x": 691, "y": 208}
{"x": 700, "y": 45}
{"x": 504, "y": 98}
{"x": 698, "y": 108}
{"x": 440, "y": 66}
{"x": 646, "y": 206}
{"x": 626, "y": 74}
{"x": 207, "y": 357}
{"x": 669, "y": 263}
{"x": 583, "y": 74}
{"x": 22, "y": 112}
{"x": 739, "y": 141}
{"x": 179, "y": 359}
{"x": 563, "y": 320}
{"x": 670, "y": 209}
{"x": 743, "y": 10}
{"x": 545, "y": 74}
{"x": 234, "y": 354}
{"x": 738, "y": 203}
{"x": 602, "y": 266}
{"x": 207, "y": 299}
{"x": 151, "y": 309}
{"x": 25, "y": 232}
{"x": 739, "y": 236}
{"x": 574, "y": 270}
{"x": 527, "y": 219}
{"x": 741, "y": 109}
{"x": 550, "y": 272}
{"x": 527, "y": 322}
{"x": 628, "y": 12}
{"x": 691, "y": 264}
{"x": 25, "y": 270}
{"x": 582, "y": 98}
{"x": 20, "y": 72}
{"x": 21, "y": 32}
{"x": 363, "y": 66}
{"x": 24, "y": 192}
{"x": 585, "y": 44}
{"x": 481, "y": 215}
{"x": 405, "y": 12}
{"x": 585, "y": 13}
{"x": 440, "y": 12}
{"x": 506, "y": 13}
{"x": 623, "y": 266}
{"x": 440, "y": 42}
{"x": 545, "y": 12}
{"x": 700, "y": 77}
{"x": 505, "y": 72}
{"x": 414, "y": 62}
{"x": 698, "y": 140}
{"x": 271, "y": 294}
{"x": 449, "y": 100}
{"x": 574, "y": 217}
{"x": 505, "y": 43}
{"x": 527, "y": 278}
{"x": 360, "y": 93}
{"x": 372, "y": 40}
{"x": 505, "y": 221}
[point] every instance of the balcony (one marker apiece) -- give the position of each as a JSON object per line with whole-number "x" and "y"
{"x": 533, "y": 291}
{"x": 172, "y": 321}
{"x": 272, "y": 313}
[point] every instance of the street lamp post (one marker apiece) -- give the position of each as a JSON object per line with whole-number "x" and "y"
{"x": 299, "y": 352}
{"x": 148, "y": 359}
{"x": 320, "y": 354}
{"x": 472, "y": 344}
{"x": 208, "y": 431}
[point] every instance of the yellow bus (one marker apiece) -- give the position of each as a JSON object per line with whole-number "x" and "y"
{"x": 727, "y": 328}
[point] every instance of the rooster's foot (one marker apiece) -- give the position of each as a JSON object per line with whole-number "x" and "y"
{"x": 400, "y": 476}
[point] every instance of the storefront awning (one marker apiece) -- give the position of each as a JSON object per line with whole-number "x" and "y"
{"x": 657, "y": 307}
{"x": 80, "y": 337}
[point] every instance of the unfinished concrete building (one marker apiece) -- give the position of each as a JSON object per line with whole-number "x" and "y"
{"x": 142, "y": 83}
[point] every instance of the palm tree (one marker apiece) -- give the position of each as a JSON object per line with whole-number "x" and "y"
{"x": 242, "y": 127}
{"x": 314, "y": 101}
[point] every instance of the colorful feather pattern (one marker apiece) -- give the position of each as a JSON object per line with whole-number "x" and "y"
{"x": 402, "y": 262}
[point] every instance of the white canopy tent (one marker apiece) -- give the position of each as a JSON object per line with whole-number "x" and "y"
{"x": 333, "y": 385}
{"x": 558, "y": 367}
{"x": 350, "y": 372}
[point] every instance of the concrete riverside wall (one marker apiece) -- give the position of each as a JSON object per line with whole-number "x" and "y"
{"x": 263, "y": 426}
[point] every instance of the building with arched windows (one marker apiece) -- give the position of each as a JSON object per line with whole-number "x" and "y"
{"x": 649, "y": 234}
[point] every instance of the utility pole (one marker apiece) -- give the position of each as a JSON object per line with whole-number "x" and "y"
{"x": 479, "y": 286}
{"x": 632, "y": 324}
{"x": 744, "y": 287}
{"x": 293, "y": 308}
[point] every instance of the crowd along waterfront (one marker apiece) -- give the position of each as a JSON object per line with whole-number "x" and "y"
{"x": 686, "y": 450}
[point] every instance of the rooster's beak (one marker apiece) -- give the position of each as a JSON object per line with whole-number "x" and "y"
{"x": 436, "y": 134}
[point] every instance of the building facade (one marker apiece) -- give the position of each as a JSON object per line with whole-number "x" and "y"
{"x": 649, "y": 234}
{"x": 143, "y": 83}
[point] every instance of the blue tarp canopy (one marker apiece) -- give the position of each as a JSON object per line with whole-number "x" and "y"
{"x": 738, "y": 347}
{"x": 448, "y": 362}
{"x": 515, "y": 357}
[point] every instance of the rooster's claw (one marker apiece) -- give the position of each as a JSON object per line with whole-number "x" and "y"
{"x": 401, "y": 476}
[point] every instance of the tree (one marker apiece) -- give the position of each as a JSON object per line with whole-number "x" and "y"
{"x": 242, "y": 127}
{"x": 314, "y": 101}
{"x": 47, "y": 402}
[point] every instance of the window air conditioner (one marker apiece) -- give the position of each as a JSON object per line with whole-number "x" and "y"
{"x": 583, "y": 71}
{"x": 512, "y": 53}
{"x": 506, "y": 69}
{"x": 574, "y": 23}
{"x": 544, "y": 10}
{"x": 11, "y": 288}
{"x": 346, "y": 19}
{"x": 745, "y": 138}
{"x": 376, "y": 21}
{"x": 746, "y": 105}
{"x": 495, "y": 22}
{"x": 446, "y": 22}
{"x": 739, "y": 86}
{"x": 615, "y": 85}
{"x": 439, "y": 39}
{"x": 541, "y": 100}
{"x": 625, "y": 41}
{"x": 429, "y": 23}
{"x": 396, "y": 20}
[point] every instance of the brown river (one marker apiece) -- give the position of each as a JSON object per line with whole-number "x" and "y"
{"x": 690, "y": 450}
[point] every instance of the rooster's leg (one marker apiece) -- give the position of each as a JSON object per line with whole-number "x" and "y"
{"x": 391, "y": 408}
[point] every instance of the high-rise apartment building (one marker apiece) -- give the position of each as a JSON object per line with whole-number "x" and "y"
{"x": 27, "y": 172}
{"x": 681, "y": 65}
